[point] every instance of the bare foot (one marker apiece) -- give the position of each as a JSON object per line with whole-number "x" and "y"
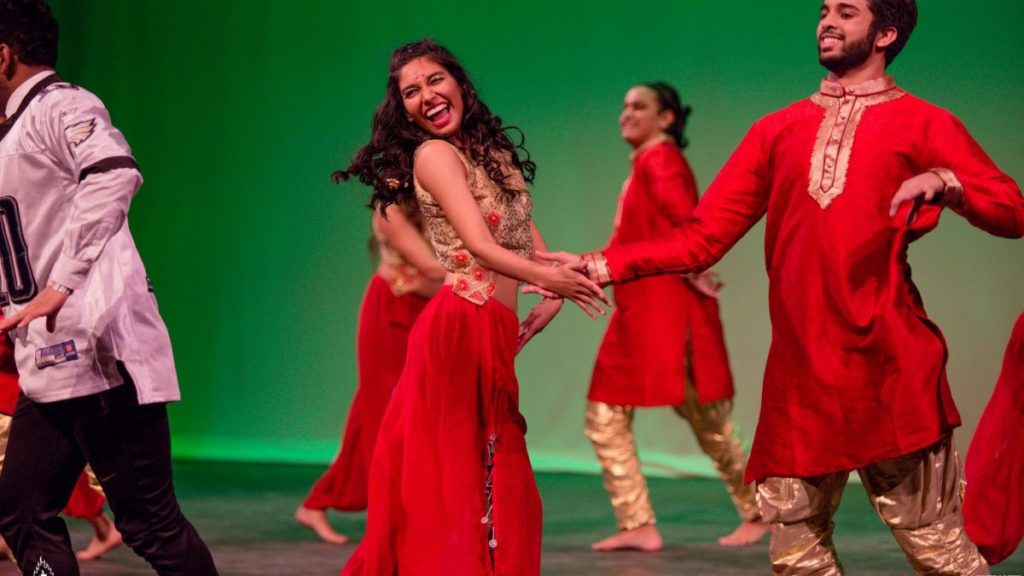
{"x": 105, "y": 538}
{"x": 745, "y": 534}
{"x": 645, "y": 538}
{"x": 316, "y": 520}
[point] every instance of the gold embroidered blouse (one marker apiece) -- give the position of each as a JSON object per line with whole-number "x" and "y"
{"x": 507, "y": 217}
{"x": 401, "y": 276}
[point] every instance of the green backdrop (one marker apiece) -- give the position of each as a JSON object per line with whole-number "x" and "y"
{"x": 239, "y": 110}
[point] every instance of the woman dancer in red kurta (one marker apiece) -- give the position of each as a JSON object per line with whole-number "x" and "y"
{"x": 994, "y": 469}
{"x": 451, "y": 487}
{"x": 408, "y": 275}
{"x": 664, "y": 345}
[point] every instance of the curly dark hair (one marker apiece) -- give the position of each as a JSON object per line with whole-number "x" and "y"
{"x": 899, "y": 14}
{"x": 668, "y": 99}
{"x": 31, "y": 31}
{"x": 386, "y": 162}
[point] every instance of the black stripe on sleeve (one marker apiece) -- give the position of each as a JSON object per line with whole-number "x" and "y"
{"x": 106, "y": 165}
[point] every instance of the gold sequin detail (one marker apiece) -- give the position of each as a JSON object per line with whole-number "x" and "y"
{"x": 507, "y": 216}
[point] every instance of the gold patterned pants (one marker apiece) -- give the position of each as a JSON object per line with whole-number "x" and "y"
{"x": 610, "y": 429}
{"x": 917, "y": 495}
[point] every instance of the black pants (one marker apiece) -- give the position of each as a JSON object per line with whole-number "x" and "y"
{"x": 129, "y": 448}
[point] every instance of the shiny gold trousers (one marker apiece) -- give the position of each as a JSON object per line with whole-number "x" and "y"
{"x": 610, "y": 429}
{"x": 5, "y": 433}
{"x": 917, "y": 495}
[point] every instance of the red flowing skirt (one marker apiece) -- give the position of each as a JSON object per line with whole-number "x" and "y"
{"x": 85, "y": 503}
{"x": 994, "y": 469}
{"x": 384, "y": 324}
{"x": 451, "y": 487}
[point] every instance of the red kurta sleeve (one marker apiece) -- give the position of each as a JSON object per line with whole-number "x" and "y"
{"x": 735, "y": 202}
{"x": 992, "y": 201}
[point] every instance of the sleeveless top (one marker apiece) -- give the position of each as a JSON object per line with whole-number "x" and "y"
{"x": 401, "y": 276}
{"x": 507, "y": 217}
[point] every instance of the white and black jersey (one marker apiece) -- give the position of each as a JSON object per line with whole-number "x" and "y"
{"x": 67, "y": 177}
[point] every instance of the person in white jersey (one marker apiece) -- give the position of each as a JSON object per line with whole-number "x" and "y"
{"x": 93, "y": 354}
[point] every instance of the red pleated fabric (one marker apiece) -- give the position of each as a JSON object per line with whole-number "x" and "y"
{"x": 994, "y": 468}
{"x": 9, "y": 389}
{"x": 451, "y": 487}
{"x": 85, "y": 503}
{"x": 384, "y": 324}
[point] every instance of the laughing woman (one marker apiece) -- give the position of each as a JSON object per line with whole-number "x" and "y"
{"x": 451, "y": 486}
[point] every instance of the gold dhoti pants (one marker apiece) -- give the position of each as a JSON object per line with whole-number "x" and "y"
{"x": 5, "y": 433}
{"x": 610, "y": 429}
{"x": 917, "y": 495}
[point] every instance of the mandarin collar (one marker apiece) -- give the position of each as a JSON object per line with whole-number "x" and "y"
{"x": 877, "y": 86}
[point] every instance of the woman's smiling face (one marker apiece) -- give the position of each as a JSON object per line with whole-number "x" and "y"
{"x": 431, "y": 96}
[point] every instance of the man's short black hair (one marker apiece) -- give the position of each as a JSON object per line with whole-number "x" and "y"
{"x": 901, "y": 15}
{"x": 30, "y": 30}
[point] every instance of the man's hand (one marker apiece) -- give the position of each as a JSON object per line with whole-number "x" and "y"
{"x": 569, "y": 260}
{"x": 926, "y": 187}
{"x": 538, "y": 318}
{"x": 47, "y": 303}
{"x": 574, "y": 261}
{"x": 707, "y": 283}
{"x": 567, "y": 278}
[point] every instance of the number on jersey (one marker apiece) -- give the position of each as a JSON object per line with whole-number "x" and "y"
{"x": 19, "y": 284}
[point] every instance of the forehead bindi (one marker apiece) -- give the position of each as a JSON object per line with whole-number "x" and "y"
{"x": 417, "y": 72}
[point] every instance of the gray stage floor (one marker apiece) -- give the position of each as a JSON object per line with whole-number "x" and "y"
{"x": 245, "y": 514}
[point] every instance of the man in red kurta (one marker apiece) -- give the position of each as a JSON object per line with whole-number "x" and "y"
{"x": 855, "y": 378}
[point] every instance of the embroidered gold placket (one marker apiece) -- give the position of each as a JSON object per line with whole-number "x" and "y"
{"x": 830, "y": 159}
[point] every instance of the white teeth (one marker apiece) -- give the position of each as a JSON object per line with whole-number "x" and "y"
{"x": 436, "y": 110}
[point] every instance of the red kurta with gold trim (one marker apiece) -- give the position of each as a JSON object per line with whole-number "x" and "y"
{"x": 856, "y": 370}
{"x": 643, "y": 359}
